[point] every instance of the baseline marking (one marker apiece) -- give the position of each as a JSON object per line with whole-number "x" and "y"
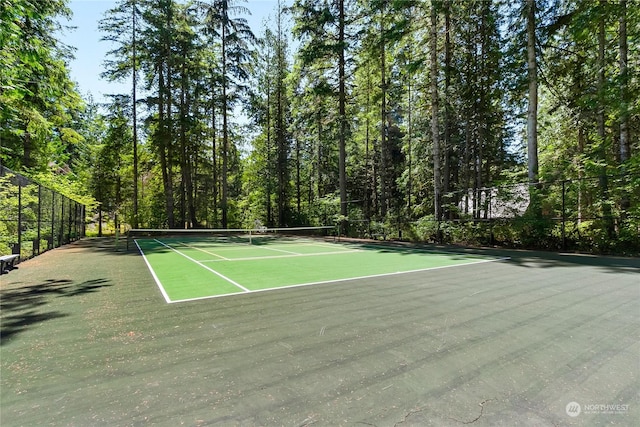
{"x": 343, "y": 280}
{"x": 205, "y": 267}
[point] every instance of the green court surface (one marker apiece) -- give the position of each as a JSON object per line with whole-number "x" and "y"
{"x": 189, "y": 269}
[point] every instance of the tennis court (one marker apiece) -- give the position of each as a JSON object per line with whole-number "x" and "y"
{"x": 214, "y": 264}
{"x": 536, "y": 339}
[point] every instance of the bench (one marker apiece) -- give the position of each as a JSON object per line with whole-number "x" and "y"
{"x": 7, "y": 262}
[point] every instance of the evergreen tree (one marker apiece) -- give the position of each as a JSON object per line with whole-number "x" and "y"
{"x": 110, "y": 183}
{"x": 322, "y": 27}
{"x": 271, "y": 111}
{"x": 121, "y": 25}
{"x": 235, "y": 39}
{"x": 37, "y": 99}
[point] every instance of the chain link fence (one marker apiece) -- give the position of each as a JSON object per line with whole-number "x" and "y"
{"x": 33, "y": 218}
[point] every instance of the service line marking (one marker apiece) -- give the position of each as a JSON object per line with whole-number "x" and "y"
{"x": 205, "y": 267}
{"x": 291, "y": 255}
{"x": 203, "y": 250}
{"x": 279, "y": 250}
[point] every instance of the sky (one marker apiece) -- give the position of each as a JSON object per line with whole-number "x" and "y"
{"x": 90, "y": 52}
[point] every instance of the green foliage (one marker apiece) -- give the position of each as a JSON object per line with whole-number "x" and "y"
{"x": 67, "y": 186}
{"x": 425, "y": 229}
{"x": 37, "y": 98}
{"x": 341, "y": 129}
{"x": 32, "y": 217}
{"x": 9, "y": 215}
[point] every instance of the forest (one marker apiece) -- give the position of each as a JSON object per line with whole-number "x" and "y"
{"x": 503, "y": 122}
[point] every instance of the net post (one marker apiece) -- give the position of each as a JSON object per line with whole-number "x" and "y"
{"x": 131, "y": 235}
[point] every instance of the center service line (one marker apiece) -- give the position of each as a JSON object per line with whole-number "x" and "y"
{"x": 204, "y": 266}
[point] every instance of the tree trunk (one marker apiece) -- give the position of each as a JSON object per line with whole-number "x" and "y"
{"x": 384, "y": 149}
{"x": 134, "y": 79}
{"x": 169, "y": 144}
{"x": 581, "y": 193}
{"x": 367, "y": 160}
{"x": 409, "y": 146}
{"x": 281, "y": 137}
{"x": 532, "y": 114}
{"x": 225, "y": 133}
{"x": 267, "y": 200}
{"x": 319, "y": 183}
{"x": 600, "y": 122}
{"x": 446, "y": 184}
{"x": 484, "y": 157}
{"x": 298, "y": 183}
{"x": 186, "y": 165}
{"x": 342, "y": 159}
{"x": 165, "y": 149}
{"x": 214, "y": 154}
{"x": 625, "y": 145}
{"x": 435, "y": 130}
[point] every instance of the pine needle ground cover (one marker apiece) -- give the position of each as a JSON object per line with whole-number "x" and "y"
{"x": 194, "y": 269}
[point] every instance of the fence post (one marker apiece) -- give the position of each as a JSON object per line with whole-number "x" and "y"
{"x": 61, "y": 235}
{"x": 53, "y": 220}
{"x": 70, "y": 225}
{"x": 75, "y": 221}
{"x": 19, "y": 217}
{"x": 39, "y": 217}
{"x": 564, "y": 236}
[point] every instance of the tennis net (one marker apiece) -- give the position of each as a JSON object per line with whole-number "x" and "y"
{"x": 252, "y": 236}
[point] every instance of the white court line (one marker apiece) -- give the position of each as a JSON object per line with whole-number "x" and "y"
{"x": 344, "y": 280}
{"x": 202, "y": 250}
{"x": 153, "y": 274}
{"x": 307, "y": 243}
{"x": 279, "y": 250}
{"x": 204, "y": 266}
{"x": 234, "y": 247}
{"x": 292, "y": 255}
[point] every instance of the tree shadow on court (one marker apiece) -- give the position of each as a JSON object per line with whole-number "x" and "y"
{"x": 542, "y": 259}
{"x": 407, "y": 248}
{"x": 531, "y": 259}
{"x": 24, "y": 306}
{"x": 524, "y": 258}
{"x": 103, "y": 245}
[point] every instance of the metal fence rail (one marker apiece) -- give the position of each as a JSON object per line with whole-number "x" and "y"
{"x": 34, "y": 218}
